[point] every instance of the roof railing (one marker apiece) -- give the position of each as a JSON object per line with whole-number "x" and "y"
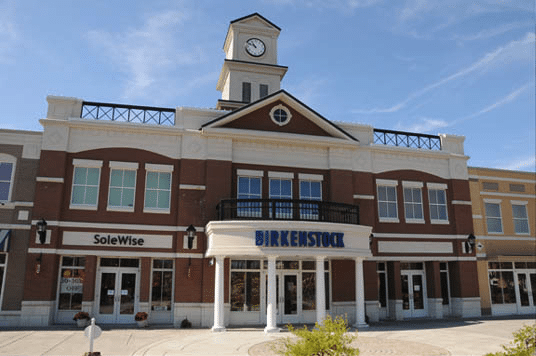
{"x": 407, "y": 139}
{"x": 128, "y": 113}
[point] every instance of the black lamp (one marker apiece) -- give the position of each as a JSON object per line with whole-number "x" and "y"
{"x": 42, "y": 231}
{"x": 191, "y": 236}
{"x": 470, "y": 243}
{"x": 371, "y": 240}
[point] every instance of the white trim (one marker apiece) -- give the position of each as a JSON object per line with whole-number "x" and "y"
{"x": 420, "y": 258}
{"x": 315, "y": 177}
{"x": 87, "y": 163}
{"x": 462, "y": 202}
{"x": 512, "y": 195}
{"x": 28, "y": 204}
{"x": 492, "y": 201}
{"x": 83, "y": 207}
{"x": 389, "y": 220}
{"x": 411, "y": 184}
{"x": 419, "y": 236}
{"x": 404, "y": 247}
{"x": 9, "y": 159}
{"x": 439, "y": 222}
{"x": 49, "y": 179}
{"x": 286, "y": 175}
{"x": 283, "y": 108}
{"x": 192, "y": 187}
{"x": 368, "y": 197}
{"x": 106, "y": 253}
{"x": 156, "y": 211}
{"x": 519, "y": 202}
{"x": 112, "y": 226}
{"x": 415, "y": 221}
{"x": 124, "y": 165}
{"x": 249, "y": 173}
{"x": 439, "y": 186}
{"x": 159, "y": 167}
{"x": 477, "y": 217}
{"x": 502, "y": 179}
{"x": 121, "y": 209}
{"x": 15, "y": 226}
{"x": 509, "y": 238}
{"x": 387, "y": 182}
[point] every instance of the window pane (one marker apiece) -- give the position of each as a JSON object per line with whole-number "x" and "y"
{"x": 494, "y": 225}
{"x": 116, "y": 178}
{"x": 164, "y": 181}
{"x": 92, "y": 176}
{"x": 115, "y": 197}
{"x": 417, "y": 195}
{"x": 442, "y": 212}
{"x": 150, "y": 198}
{"x": 91, "y": 195}
{"x": 286, "y": 188}
{"x": 243, "y": 185}
{"x": 382, "y": 193}
{"x": 130, "y": 179}
{"x": 152, "y": 180}
{"x": 493, "y": 210}
{"x": 237, "y": 291}
{"x": 163, "y": 199}
{"x": 507, "y": 283}
{"x": 305, "y": 189}
{"x": 78, "y": 195}
{"x": 274, "y": 188}
{"x": 521, "y": 226}
{"x": 392, "y": 210}
{"x": 308, "y": 291}
{"x": 316, "y": 190}
{"x": 4, "y": 190}
{"x": 80, "y": 174}
{"x": 128, "y": 197}
{"x": 391, "y": 195}
{"x": 5, "y": 171}
{"x": 519, "y": 211}
{"x": 255, "y": 186}
{"x": 441, "y": 197}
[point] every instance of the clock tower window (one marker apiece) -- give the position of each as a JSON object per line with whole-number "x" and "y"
{"x": 263, "y": 90}
{"x": 246, "y": 92}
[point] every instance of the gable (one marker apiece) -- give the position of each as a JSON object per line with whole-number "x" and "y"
{"x": 260, "y": 120}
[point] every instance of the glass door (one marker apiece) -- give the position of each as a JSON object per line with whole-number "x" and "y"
{"x": 413, "y": 294}
{"x": 117, "y": 296}
{"x": 526, "y": 290}
{"x": 290, "y": 299}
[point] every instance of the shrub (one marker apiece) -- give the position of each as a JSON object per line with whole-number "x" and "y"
{"x": 327, "y": 339}
{"x": 524, "y": 343}
{"x": 186, "y": 324}
{"x": 141, "y": 316}
{"x": 81, "y": 315}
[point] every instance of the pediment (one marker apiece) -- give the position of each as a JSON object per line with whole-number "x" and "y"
{"x": 259, "y": 116}
{"x": 255, "y": 20}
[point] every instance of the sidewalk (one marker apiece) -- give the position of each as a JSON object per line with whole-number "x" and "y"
{"x": 464, "y": 337}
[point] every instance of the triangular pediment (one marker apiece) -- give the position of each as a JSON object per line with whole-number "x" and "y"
{"x": 259, "y": 116}
{"x": 255, "y": 20}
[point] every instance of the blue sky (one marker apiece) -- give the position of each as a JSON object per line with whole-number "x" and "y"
{"x": 432, "y": 66}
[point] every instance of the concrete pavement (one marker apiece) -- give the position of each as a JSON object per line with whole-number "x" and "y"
{"x": 424, "y": 337}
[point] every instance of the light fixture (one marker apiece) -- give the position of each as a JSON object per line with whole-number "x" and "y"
{"x": 191, "y": 236}
{"x": 470, "y": 243}
{"x": 42, "y": 230}
{"x": 371, "y": 240}
{"x": 211, "y": 262}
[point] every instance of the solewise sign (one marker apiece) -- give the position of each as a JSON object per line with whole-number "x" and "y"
{"x": 116, "y": 240}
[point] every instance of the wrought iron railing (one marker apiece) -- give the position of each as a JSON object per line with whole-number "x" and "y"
{"x": 407, "y": 139}
{"x": 287, "y": 209}
{"x": 128, "y": 113}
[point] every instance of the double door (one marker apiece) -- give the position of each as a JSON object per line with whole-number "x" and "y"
{"x": 526, "y": 290}
{"x": 288, "y": 297}
{"x": 413, "y": 294}
{"x": 118, "y": 294}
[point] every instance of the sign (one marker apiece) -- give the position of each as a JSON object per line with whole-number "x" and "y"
{"x": 71, "y": 285}
{"x": 291, "y": 238}
{"x": 107, "y": 239}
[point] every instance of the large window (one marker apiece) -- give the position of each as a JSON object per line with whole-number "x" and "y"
{"x": 437, "y": 196}
{"x": 3, "y": 265}
{"x": 158, "y": 188}
{"x": 501, "y": 283}
{"x": 381, "y": 271}
{"x": 7, "y": 171}
{"x": 122, "y": 186}
{"x": 521, "y": 220}
{"x": 249, "y": 187}
{"x": 281, "y": 188}
{"x": 245, "y": 285}
{"x": 445, "y": 284}
{"x": 86, "y": 177}
{"x": 162, "y": 285}
{"x": 493, "y": 217}
{"x": 310, "y": 189}
{"x": 71, "y": 283}
{"x": 387, "y": 201}
{"x": 413, "y": 202}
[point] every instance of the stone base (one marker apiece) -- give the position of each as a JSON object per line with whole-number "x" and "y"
{"x": 218, "y": 329}
{"x": 269, "y": 330}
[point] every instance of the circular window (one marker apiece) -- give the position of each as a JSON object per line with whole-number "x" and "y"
{"x": 280, "y": 115}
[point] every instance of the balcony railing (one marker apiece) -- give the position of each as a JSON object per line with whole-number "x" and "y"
{"x": 283, "y": 209}
{"x": 407, "y": 139}
{"x": 128, "y": 113}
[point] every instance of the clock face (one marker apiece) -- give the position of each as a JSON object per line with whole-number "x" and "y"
{"x": 255, "y": 47}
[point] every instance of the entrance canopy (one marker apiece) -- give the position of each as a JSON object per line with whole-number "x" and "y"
{"x": 287, "y": 238}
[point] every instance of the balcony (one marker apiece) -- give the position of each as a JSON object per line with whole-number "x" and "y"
{"x": 282, "y": 209}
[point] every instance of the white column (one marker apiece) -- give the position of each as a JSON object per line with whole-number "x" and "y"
{"x": 271, "y": 324}
{"x": 218, "y": 296}
{"x": 359, "y": 294}
{"x": 320, "y": 290}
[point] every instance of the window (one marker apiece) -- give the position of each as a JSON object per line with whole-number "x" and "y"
{"x": 86, "y": 177}
{"x": 280, "y": 115}
{"x": 3, "y": 266}
{"x": 162, "y": 285}
{"x": 246, "y": 92}
{"x": 310, "y": 189}
{"x": 263, "y": 90}
{"x": 71, "y": 283}
{"x": 501, "y": 283}
{"x": 7, "y": 171}
{"x": 381, "y": 270}
{"x": 521, "y": 220}
{"x": 245, "y": 285}
{"x": 490, "y": 186}
{"x": 249, "y": 187}
{"x": 387, "y": 202}
{"x": 445, "y": 285}
{"x": 157, "y": 188}
{"x": 413, "y": 202}
{"x": 437, "y": 196}
{"x": 493, "y": 217}
{"x": 281, "y": 188}
{"x": 517, "y": 188}
{"x": 122, "y": 186}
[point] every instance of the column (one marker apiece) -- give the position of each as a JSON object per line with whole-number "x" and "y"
{"x": 218, "y": 296}
{"x": 271, "y": 325}
{"x": 359, "y": 294}
{"x": 320, "y": 290}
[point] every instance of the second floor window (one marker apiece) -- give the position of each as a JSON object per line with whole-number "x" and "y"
{"x": 493, "y": 217}
{"x": 387, "y": 201}
{"x": 122, "y": 188}
{"x": 413, "y": 201}
{"x": 158, "y": 191}
{"x": 521, "y": 221}
{"x": 85, "y": 186}
{"x": 310, "y": 190}
{"x": 437, "y": 196}
{"x": 6, "y": 180}
{"x": 249, "y": 188}
{"x": 281, "y": 189}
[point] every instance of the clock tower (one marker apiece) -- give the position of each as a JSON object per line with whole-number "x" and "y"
{"x": 250, "y": 70}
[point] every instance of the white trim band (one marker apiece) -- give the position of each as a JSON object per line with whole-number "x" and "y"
{"x": 249, "y": 173}
{"x": 462, "y": 202}
{"x": 314, "y": 177}
{"x": 49, "y": 179}
{"x": 366, "y": 197}
{"x": 159, "y": 167}
{"x": 61, "y": 251}
{"x": 286, "y": 175}
{"x": 192, "y": 187}
{"x": 88, "y": 163}
{"x": 124, "y": 165}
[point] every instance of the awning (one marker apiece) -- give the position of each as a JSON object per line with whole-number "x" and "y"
{"x": 4, "y": 240}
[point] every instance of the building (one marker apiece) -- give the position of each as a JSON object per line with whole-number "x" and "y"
{"x": 259, "y": 212}
{"x": 19, "y": 161}
{"x": 504, "y": 218}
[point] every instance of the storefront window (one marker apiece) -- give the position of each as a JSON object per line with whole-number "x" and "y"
{"x": 2, "y": 270}
{"x": 382, "y": 284}
{"x": 162, "y": 285}
{"x": 309, "y": 291}
{"x": 71, "y": 283}
{"x": 444, "y": 276}
{"x": 501, "y": 282}
{"x": 245, "y": 285}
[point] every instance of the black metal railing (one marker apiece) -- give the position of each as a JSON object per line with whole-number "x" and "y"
{"x": 288, "y": 209}
{"x": 407, "y": 139}
{"x": 128, "y": 113}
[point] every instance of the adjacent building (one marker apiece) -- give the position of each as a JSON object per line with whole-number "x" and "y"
{"x": 259, "y": 212}
{"x": 504, "y": 218}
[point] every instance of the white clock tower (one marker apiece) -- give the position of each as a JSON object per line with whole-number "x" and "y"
{"x": 250, "y": 70}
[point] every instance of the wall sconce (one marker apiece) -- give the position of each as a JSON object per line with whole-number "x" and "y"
{"x": 470, "y": 243}
{"x": 371, "y": 240}
{"x": 191, "y": 236}
{"x": 211, "y": 262}
{"x": 42, "y": 232}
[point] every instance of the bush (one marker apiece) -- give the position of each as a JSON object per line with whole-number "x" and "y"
{"x": 524, "y": 343}
{"x": 81, "y": 315}
{"x": 141, "y": 316}
{"x": 327, "y": 339}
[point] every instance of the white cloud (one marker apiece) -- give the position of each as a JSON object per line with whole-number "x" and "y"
{"x": 522, "y": 49}
{"x": 425, "y": 125}
{"x": 492, "y": 32}
{"x": 326, "y": 4}
{"x": 146, "y": 54}
{"x": 527, "y": 163}
{"x": 309, "y": 89}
